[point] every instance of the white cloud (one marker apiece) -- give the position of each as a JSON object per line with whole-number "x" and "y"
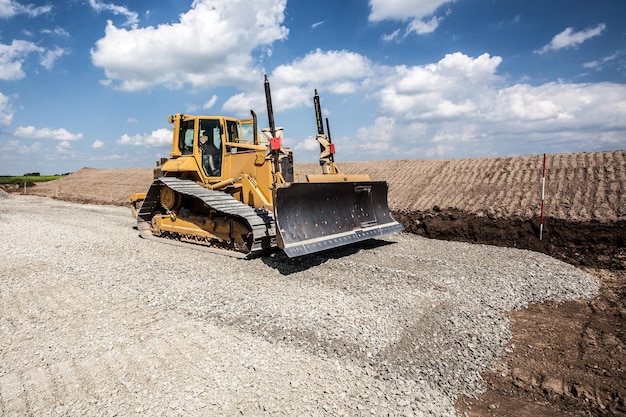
{"x": 30, "y": 132}
{"x": 391, "y": 36}
{"x": 421, "y": 13}
{"x": 158, "y": 138}
{"x": 64, "y": 145}
{"x": 131, "y": 17}
{"x": 241, "y": 103}
{"x": 210, "y": 103}
{"x": 309, "y": 144}
{"x": 97, "y": 144}
{"x": 422, "y": 27}
{"x": 569, "y": 39}
{"x": 6, "y": 112}
{"x": 17, "y": 146}
{"x": 292, "y": 85}
{"x": 460, "y": 104}
{"x": 10, "y": 8}
{"x": 323, "y": 67}
{"x": 49, "y": 57}
{"x": 403, "y": 9}
{"x": 13, "y": 56}
{"x": 439, "y": 150}
{"x": 57, "y": 31}
{"x": 447, "y": 89}
{"x": 62, "y": 150}
{"x": 600, "y": 64}
{"x": 210, "y": 45}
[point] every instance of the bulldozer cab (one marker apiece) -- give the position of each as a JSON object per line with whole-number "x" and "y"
{"x": 210, "y": 149}
{"x": 198, "y": 145}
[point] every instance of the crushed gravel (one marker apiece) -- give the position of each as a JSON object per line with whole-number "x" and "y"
{"x": 97, "y": 321}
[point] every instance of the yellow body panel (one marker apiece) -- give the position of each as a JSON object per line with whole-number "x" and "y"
{"x": 182, "y": 164}
{"x": 338, "y": 178}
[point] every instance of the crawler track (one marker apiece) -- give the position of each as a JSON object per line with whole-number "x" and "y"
{"x": 260, "y": 222}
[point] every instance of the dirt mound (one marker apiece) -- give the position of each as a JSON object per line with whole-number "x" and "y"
{"x": 579, "y": 187}
{"x": 96, "y": 186}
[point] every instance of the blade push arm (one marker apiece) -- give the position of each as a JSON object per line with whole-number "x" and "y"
{"x": 327, "y": 149}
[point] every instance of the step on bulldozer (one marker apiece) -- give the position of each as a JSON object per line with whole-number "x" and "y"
{"x": 229, "y": 191}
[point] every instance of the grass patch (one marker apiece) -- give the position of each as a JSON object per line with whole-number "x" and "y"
{"x": 27, "y": 179}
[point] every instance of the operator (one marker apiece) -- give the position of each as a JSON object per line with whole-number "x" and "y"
{"x": 209, "y": 153}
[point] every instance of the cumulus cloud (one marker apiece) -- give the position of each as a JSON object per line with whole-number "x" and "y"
{"x": 210, "y": 45}
{"x": 445, "y": 90}
{"x": 13, "y": 56}
{"x": 157, "y": 138}
{"x": 329, "y": 67}
{"x": 30, "y": 132}
{"x": 420, "y": 13}
{"x": 97, "y": 144}
{"x": 10, "y": 8}
{"x": 460, "y": 103}
{"x": 339, "y": 72}
{"x": 570, "y": 38}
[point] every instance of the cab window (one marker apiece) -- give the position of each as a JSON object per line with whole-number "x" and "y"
{"x": 185, "y": 139}
{"x": 233, "y": 131}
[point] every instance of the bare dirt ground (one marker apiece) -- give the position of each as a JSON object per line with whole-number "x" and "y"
{"x": 566, "y": 359}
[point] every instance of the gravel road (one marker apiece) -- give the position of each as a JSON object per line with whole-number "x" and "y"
{"x": 97, "y": 321}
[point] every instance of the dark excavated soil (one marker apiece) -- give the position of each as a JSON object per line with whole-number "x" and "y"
{"x": 585, "y": 243}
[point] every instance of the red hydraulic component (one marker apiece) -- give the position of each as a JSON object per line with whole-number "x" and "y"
{"x": 275, "y": 144}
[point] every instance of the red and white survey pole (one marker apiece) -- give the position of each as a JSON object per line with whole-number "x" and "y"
{"x": 543, "y": 195}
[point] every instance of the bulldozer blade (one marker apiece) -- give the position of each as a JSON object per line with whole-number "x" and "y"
{"x": 312, "y": 217}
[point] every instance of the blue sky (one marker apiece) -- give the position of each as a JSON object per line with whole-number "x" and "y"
{"x": 91, "y": 82}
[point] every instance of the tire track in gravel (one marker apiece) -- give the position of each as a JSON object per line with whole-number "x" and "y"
{"x": 106, "y": 351}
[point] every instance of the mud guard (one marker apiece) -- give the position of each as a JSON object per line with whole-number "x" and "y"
{"x": 312, "y": 217}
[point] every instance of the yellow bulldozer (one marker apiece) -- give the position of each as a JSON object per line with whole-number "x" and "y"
{"x": 232, "y": 192}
